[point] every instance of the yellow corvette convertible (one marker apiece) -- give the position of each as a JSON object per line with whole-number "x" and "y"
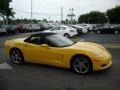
{"x": 56, "y": 50}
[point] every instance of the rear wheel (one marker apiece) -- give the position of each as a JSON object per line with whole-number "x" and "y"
{"x": 16, "y": 56}
{"x": 81, "y": 65}
{"x": 66, "y": 35}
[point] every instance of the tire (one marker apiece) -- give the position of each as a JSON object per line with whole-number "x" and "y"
{"x": 66, "y": 35}
{"x": 81, "y": 64}
{"x": 16, "y": 56}
{"x": 98, "y": 32}
{"x": 116, "y": 32}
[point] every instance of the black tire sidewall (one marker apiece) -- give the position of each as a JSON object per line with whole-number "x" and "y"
{"x": 89, "y": 61}
{"x": 66, "y": 34}
{"x": 22, "y": 57}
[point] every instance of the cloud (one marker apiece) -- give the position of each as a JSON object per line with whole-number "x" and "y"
{"x": 46, "y": 8}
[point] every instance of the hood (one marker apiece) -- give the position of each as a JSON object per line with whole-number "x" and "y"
{"x": 88, "y": 46}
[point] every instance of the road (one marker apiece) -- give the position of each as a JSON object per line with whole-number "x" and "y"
{"x": 41, "y": 77}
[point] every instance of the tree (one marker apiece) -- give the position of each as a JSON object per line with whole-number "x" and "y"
{"x": 93, "y": 17}
{"x": 5, "y": 10}
{"x": 114, "y": 15}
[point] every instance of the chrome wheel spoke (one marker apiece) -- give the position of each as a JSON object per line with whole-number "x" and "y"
{"x": 16, "y": 57}
{"x": 81, "y": 65}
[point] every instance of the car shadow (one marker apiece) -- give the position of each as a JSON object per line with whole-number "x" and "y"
{"x": 34, "y": 66}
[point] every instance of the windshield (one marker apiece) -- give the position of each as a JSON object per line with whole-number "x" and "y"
{"x": 59, "y": 40}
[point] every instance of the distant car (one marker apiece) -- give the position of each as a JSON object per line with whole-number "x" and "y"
{"x": 89, "y": 27}
{"x": 2, "y": 29}
{"x": 63, "y": 30}
{"x": 57, "y": 50}
{"x": 11, "y": 29}
{"x": 80, "y": 29}
{"x": 114, "y": 30}
{"x": 20, "y": 29}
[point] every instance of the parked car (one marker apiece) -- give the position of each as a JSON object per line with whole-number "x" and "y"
{"x": 20, "y": 29}
{"x": 80, "y": 29}
{"x": 11, "y": 29}
{"x": 44, "y": 26}
{"x": 2, "y": 29}
{"x": 34, "y": 27}
{"x": 63, "y": 30}
{"x": 90, "y": 27}
{"x": 56, "y": 50}
{"x": 114, "y": 30}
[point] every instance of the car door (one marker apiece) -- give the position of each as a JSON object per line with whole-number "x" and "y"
{"x": 39, "y": 52}
{"x": 51, "y": 55}
{"x": 33, "y": 51}
{"x": 62, "y": 30}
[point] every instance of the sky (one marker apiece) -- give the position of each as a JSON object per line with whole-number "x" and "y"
{"x": 51, "y": 9}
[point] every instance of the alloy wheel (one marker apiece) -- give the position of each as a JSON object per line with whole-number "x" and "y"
{"x": 81, "y": 65}
{"x": 16, "y": 56}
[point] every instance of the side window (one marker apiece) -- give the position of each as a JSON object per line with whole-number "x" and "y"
{"x": 43, "y": 41}
{"x": 39, "y": 41}
{"x": 35, "y": 40}
{"x": 62, "y": 28}
{"x": 55, "y": 28}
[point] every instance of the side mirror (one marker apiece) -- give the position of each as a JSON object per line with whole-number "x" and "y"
{"x": 45, "y": 46}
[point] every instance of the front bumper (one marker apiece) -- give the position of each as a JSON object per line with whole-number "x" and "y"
{"x": 102, "y": 63}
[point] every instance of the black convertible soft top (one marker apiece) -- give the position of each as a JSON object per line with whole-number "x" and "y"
{"x": 41, "y": 34}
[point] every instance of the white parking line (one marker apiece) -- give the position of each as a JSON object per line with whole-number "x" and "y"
{"x": 111, "y": 45}
{"x": 5, "y": 66}
{"x": 82, "y": 40}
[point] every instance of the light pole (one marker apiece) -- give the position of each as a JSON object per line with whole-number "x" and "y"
{"x": 71, "y": 15}
{"x": 31, "y": 12}
{"x": 61, "y": 14}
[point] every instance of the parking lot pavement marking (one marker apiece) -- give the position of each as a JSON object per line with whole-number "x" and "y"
{"x": 111, "y": 45}
{"x": 5, "y": 66}
{"x": 82, "y": 40}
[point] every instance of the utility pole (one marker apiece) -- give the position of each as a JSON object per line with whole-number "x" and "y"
{"x": 61, "y": 14}
{"x": 31, "y": 12}
{"x": 71, "y": 15}
{"x": 49, "y": 18}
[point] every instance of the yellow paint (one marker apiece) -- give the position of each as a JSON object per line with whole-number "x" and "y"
{"x": 61, "y": 56}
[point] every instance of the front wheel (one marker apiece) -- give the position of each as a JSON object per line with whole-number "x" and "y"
{"x": 16, "y": 56}
{"x": 81, "y": 65}
{"x": 66, "y": 35}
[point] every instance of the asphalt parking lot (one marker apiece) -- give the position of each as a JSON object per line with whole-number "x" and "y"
{"x": 41, "y": 77}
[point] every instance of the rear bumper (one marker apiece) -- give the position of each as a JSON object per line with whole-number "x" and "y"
{"x": 72, "y": 34}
